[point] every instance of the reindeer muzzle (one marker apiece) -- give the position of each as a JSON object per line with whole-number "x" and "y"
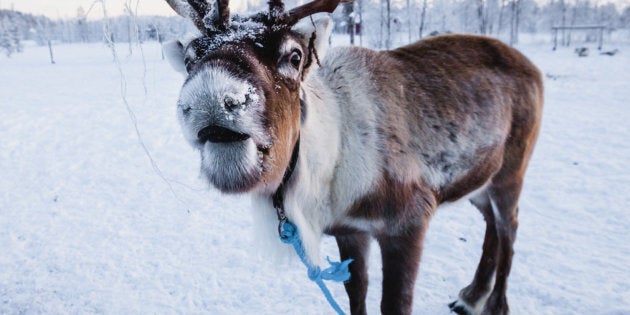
{"x": 218, "y": 134}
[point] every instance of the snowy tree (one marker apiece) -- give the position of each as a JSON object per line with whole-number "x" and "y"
{"x": 624, "y": 19}
{"x": 9, "y": 36}
{"x": 82, "y": 26}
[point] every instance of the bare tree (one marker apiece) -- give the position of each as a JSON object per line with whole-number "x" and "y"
{"x": 481, "y": 16}
{"x": 44, "y": 30}
{"x": 515, "y": 6}
{"x": 348, "y": 9}
{"x": 500, "y": 22}
{"x": 361, "y": 26}
{"x": 563, "y": 7}
{"x": 81, "y": 22}
{"x": 490, "y": 13}
{"x": 409, "y": 21}
{"x": 388, "y": 39}
{"x": 422, "y": 17}
{"x": 382, "y": 23}
{"x": 131, "y": 25}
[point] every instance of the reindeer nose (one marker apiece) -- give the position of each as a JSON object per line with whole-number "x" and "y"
{"x": 220, "y": 134}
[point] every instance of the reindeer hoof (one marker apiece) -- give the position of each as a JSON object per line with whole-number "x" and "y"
{"x": 458, "y": 308}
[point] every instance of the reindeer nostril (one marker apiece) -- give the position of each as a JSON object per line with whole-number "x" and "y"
{"x": 229, "y": 103}
{"x": 218, "y": 134}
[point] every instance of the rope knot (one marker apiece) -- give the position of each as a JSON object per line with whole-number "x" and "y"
{"x": 338, "y": 271}
{"x": 314, "y": 273}
{"x": 288, "y": 232}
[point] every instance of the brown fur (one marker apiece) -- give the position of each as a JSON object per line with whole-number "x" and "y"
{"x": 445, "y": 90}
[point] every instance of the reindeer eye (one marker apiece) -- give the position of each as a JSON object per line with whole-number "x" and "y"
{"x": 295, "y": 58}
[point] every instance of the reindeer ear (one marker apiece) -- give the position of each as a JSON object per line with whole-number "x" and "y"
{"x": 174, "y": 51}
{"x": 322, "y": 26}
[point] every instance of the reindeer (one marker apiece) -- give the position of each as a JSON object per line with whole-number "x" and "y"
{"x": 361, "y": 143}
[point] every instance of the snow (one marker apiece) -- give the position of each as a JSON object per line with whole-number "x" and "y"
{"x": 87, "y": 225}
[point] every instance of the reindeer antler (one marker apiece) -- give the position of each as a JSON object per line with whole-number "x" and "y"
{"x": 316, "y": 6}
{"x": 223, "y": 13}
{"x": 198, "y": 11}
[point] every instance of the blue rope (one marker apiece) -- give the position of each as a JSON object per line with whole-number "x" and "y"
{"x": 338, "y": 271}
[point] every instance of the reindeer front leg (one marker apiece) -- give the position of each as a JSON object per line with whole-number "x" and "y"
{"x": 401, "y": 258}
{"x": 356, "y": 246}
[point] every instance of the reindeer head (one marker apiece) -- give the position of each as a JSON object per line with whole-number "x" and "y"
{"x": 240, "y": 103}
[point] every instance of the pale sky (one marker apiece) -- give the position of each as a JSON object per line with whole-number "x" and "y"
{"x": 68, "y": 8}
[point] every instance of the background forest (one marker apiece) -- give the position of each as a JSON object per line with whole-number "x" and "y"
{"x": 386, "y": 22}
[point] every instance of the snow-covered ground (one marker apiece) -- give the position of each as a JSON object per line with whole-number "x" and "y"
{"x": 88, "y": 225}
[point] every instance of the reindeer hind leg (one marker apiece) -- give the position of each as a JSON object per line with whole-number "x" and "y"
{"x": 504, "y": 192}
{"x": 473, "y": 297}
{"x": 504, "y": 203}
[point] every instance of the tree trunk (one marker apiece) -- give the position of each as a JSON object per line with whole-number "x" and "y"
{"x": 564, "y": 19}
{"x": 380, "y": 34}
{"x": 408, "y": 21}
{"x": 500, "y": 26}
{"x": 480, "y": 16}
{"x": 361, "y": 29}
{"x": 422, "y": 16}
{"x": 572, "y": 24}
{"x": 388, "y": 40}
{"x": 518, "y": 21}
{"x": 52, "y": 58}
{"x": 129, "y": 35}
{"x": 514, "y": 22}
{"x": 491, "y": 6}
{"x": 351, "y": 25}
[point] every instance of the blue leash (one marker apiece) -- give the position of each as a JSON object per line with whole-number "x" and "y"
{"x": 338, "y": 271}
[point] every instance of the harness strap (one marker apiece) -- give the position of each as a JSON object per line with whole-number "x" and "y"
{"x": 278, "y": 196}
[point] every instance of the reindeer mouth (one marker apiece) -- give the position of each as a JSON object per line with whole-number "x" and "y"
{"x": 230, "y": 160}
{"x": 218, "y": 134}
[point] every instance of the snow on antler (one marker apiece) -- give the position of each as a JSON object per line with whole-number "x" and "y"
{"x": 206, "y": 17}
